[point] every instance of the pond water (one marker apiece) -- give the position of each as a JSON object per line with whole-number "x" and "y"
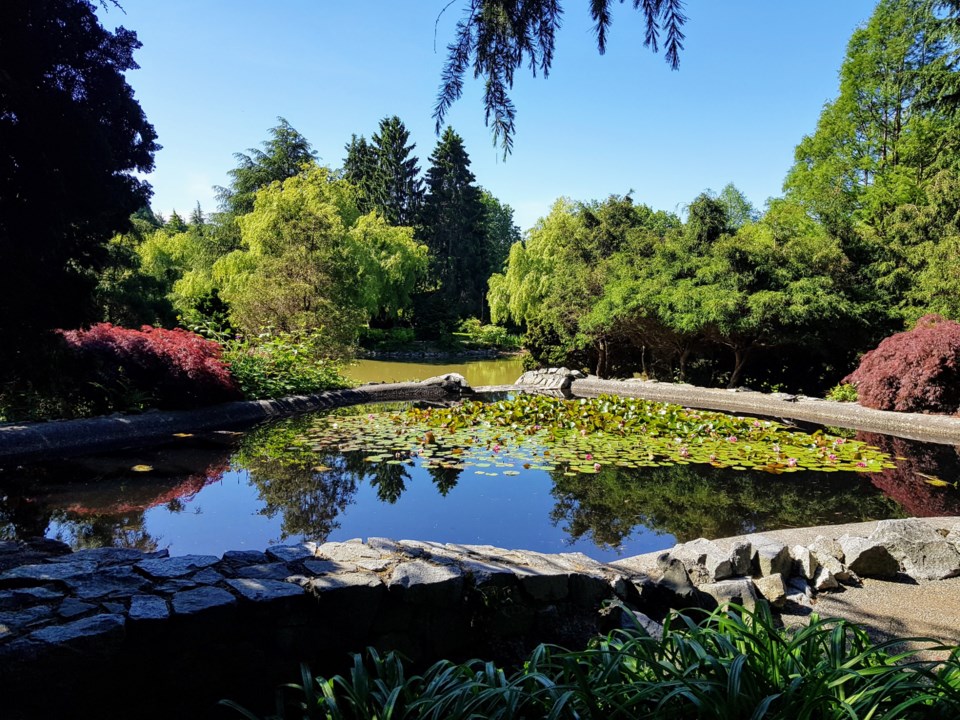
{"x": 276, "y": 484}
{"x": 499, "y": 371}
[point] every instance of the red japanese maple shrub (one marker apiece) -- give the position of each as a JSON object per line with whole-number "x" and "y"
{"x": 162, "y": 368}
{"x": 913, "y": 371}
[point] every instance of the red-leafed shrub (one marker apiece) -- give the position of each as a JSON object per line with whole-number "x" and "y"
{"x": 913, "y": 371}
{"x": 151, "y": 367}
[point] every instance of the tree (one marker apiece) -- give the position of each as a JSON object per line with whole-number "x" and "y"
{"x": 284, "y": 155}
{"x": 360, "y": 169}
{"x": 500, "y": 232}
{"x": 397, "y": 190}
{"x": 500, "y": 36}
{"x": 452, "y": 223}
{"x": 72, "y": 135}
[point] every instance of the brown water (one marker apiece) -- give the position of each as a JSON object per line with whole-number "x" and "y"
{"x": 498, "y": 371}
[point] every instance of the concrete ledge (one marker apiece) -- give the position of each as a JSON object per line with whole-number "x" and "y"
{"x": 64, "y": 438}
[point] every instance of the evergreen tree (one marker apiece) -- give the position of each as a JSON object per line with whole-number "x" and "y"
{"x": 397, "y": 189}
{"x": 360, "y": 169}
{"x": 453, "y": 222}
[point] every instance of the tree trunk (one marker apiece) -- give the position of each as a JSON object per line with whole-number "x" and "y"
{"x": 684, "y": 356}
{"x": 740, "y": 355}
{"x": 602, "y": 358}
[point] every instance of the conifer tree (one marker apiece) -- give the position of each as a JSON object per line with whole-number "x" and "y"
{"x": 397, "y": 188}
{"x": 453, "y": 227}
{"x": 360, "y": 169}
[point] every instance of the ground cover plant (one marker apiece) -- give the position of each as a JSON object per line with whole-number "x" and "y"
{"x": 735, "y": 664}
{"x": 583, "y": 436}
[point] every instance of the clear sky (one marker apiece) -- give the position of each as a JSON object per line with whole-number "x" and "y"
{"x": 215, "y": 75}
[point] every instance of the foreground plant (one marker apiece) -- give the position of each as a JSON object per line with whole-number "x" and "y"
{"x": 735, "y": 664}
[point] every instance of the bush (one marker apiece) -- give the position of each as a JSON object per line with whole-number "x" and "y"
{"x": 844, "y": 392}
{"x": 280, "y": 364}
{"x": 473, "y": 332}
{"x": 395, "y": 338}
{"x": 122, "y": 369}
{"x": 913, "y": 371}
{"x": 734, "y": 665}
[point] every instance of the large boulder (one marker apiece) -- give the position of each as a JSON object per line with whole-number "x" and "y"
{"x": 706, "y": 561}
{"x": 770, "y": 557}
{"x": 923, "y": 552}
{"x": 868, "y": 558}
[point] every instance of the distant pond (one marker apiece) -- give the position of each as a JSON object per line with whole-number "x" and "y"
{"x": 499, "y": 371}
{"x": 286, "y": 482}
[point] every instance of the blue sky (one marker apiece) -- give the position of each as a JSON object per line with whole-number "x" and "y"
{"x": 215, "y": 74}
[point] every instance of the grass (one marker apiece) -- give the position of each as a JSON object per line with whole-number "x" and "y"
{"x": 733, "y": 664}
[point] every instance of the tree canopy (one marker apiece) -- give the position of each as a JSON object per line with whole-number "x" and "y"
{"x": 72, "y": 137}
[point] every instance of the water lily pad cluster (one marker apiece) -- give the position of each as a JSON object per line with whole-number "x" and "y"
{"x": 584, "y": 436}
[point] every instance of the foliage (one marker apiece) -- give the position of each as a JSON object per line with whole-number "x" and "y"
{"x": 394, "y": 338}
{"x": 913, "y": 371}
{"x": 499, "y": 36}
{"x": 544, "y": 433}
{"x": 396, "y": 187}
{"x": 278, "y": 364}
{"x": 474, "y": 333}
{"x": 843, "y": 392}
{"x": 733, "y": 664}
{"x": 74, "y": 140}
{"x": 150, "y": 367}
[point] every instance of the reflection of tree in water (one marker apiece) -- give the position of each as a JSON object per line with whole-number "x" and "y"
{"x": 690, "y": 501}
{"x": 125, "y": 530}
{"x": 444, "y": 477}
{"x": 913, "y": 483}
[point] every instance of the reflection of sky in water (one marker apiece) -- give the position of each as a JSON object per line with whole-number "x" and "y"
{"x": 510, "y": 512}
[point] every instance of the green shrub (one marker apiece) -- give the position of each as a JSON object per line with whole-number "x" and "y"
{"x": 844, "y": 392}
{"x": 395, "y": 338}
{"x": 277, "y": 364}
{"x": 474, "y": 333}
{"x": 735, "y": 664}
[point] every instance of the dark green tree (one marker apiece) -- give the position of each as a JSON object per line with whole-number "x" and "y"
{"x": 72, "y": 137}
{"x": 453, "y": 228}
{"x": 500, "y": 231}
{"x": 283, "y": 156}
{"x": 360, "y": 169}
{"x": 497, "y": 37}
{"x": 397, "y": 188}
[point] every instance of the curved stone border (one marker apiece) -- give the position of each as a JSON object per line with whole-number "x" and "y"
{"x": 914, "y": 426}
{"x": 63, "y": 438}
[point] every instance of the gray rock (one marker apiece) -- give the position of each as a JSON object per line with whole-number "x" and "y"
{"x": 350, "y": 552}
{"x": 422, "y": 582}
{"x": 823, "y": 547}
{"x": 97, "y": 627}
{"x": 923, "y": 553}
{"x": 71, "y": 608}
{"x": 145, "y": 608}
{"x": 207, "y": 576}
{"x": 769, "y": 556}
{"x": 356, "y": 580}
{"x": 17, "y": 620}
{"x": 325, "y": 567}
{"x": 772, "y": 588}
{"x": 190, "y": 602}
{"x": 112, "y": 582}
{"x": 704, "y": 561}
{"x": 267, "y": 571}
{"x": 265, "y": 590}
{"x": 634, "y": 618}
{"x": 176, "y": 567}
{"x": 798, "y": 591}
{"x": 20, "y": 597}
{"x": 741, "y": 557}
{"x": 244, "y": 557}
{"x": 292, "y": 553}
{"x": 824, "y": 580}
{"x": 114, "y": 607}
{"x": 868, "y": 558}
{"x": 47, "y": 572}
{"x": 739, "y": 591}
{"x": 104, "y": 556}
{"x": 805, "y": 564}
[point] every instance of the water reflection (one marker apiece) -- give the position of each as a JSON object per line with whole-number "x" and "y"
{"x": 501, "y": 371}
{"x": 268, "y": 489}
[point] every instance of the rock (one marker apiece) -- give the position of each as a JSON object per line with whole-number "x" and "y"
{"x": 823, "y": 547}
{"x": 672, "y": 591}
{"x": 105, "y": 556}
{"x": 349, "y": 552}
{"x": 704, "y": 561}
{"x": 207, "y": 576}
{"x": 176, "y": 567}
{"x": 113, "y": 582}
{"x": 741, "y": 557}
{"x": 325, "y": 567}
{"x": 292, "y": 553}
{"x": 46, "y": 572}
{"x": 923, "y": 553}
{"x": 769, "y": 556}
{"x": 798, "y": 591}
{"x": 356, "y": 580}
{"x": 772, "y": 588}
{"x": 451, "y": 383}
{"x": 265, "y": 590}
{"x": 631, "y": 619}
{"x": 266, "y": 571}
{"x": 96, "y": 628}
{"x": 244, "y": 557}
{"x": 422, "y": 582}
{"x": 824, "y": 580}
{"x": 71, "y": 608}
{"x": 804, "y": 562}
{"x": 25, "y": 617}
{"x": 738, "y": 592}
{"x": 867, "y": 558}
{"x": 145, "y": 608}
{"x": 21, "y": 597}
{"x": 191, "y": 602}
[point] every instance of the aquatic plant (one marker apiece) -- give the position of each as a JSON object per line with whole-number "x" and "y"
{"x": 584, "y": 436}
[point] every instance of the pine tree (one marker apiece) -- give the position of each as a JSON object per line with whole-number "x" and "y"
{"x": 360, "y": 169}
{"x": 453, "y": 227}
{"x": 397, "y": 188}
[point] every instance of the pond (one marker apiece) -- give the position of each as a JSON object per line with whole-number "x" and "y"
{"x": 499, "y": 371}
